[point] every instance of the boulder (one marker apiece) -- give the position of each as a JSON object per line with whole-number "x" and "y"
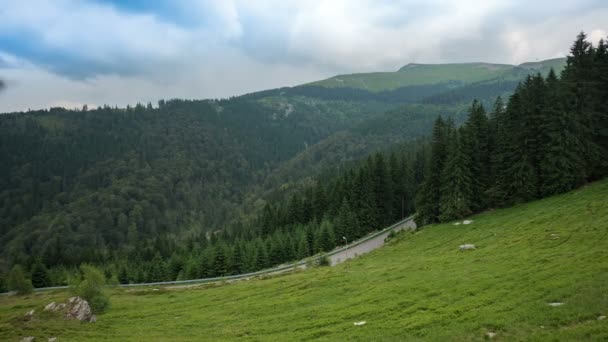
{"x": 491, "y": 334}
{"x": 467, "y": 247}
{"x": 30, "y": 314}
{"x": 601, "y": 318}
{"x": 28, "y": 339}
{"x": 54, "y": 306}
{"x": 93, "y": 319}
{"x": 79, "y": 309}
{"x": 467, "y": 221}
{"x": 52, "y": 339}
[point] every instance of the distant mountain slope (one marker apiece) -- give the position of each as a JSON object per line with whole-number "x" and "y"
{"x": 455, "y": 74}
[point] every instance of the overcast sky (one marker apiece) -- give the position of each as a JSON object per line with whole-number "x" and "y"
{"x": 72, "y": 52}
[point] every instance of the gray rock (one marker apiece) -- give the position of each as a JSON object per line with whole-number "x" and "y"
{"x": 30, "y": 314}
{"x": 50, "y": 306}
{"x": 52, "y": 339}
{"x": 93, "y": 319}
{"x": 79, "y": 309}
{"x": 601, "y": 318}
{"x": 28, "y": 339}
{"x": 467, "y": 247}
{"x": 554, "y": 304}
{"x": 490, "y": 334}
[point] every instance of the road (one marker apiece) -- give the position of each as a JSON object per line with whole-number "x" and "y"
{"x": 353, "y": 250}
{"x": 368, "y": 244}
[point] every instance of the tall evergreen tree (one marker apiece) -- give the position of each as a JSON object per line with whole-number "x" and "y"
{"x": 40, "y": 277}
{"x": 457, "y": 195}
{"x": 428, "y": 199}
{"x": 560, "y": 154}
{"x": 475, "y": 143}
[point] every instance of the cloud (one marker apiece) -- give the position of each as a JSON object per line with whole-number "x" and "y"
{"x": 117, "y": 52}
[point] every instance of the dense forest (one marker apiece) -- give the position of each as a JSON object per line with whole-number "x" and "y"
{"x": 551, "y": 137}
{"x": 148, "y": 193}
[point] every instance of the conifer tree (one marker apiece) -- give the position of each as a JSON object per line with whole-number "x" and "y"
{"x": 581, "y": 101}
{"x": 427, "y": 202}
{"x": 475, "y": 143}
{"x": 560, "y": 155}
{"x": 40, "y": 277}
{"x": 123, "y": 276}
{"x": 457, "y": 184}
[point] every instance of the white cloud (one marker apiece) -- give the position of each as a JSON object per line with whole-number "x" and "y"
{"x": 240, "y": 46}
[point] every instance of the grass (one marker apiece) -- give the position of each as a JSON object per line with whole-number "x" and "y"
{"x": 418, "y": 287}
{"x": 427, "y": 74}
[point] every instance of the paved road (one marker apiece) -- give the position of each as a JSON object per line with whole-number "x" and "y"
{"x": 363, "y": 246}
{"x": 353, "y": 250}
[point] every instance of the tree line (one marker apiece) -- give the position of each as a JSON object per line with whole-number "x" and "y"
{"x": 550, "y": 137}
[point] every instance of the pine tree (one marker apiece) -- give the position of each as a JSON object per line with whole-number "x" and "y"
{"x": 123, "y": 276}
{"x": 499, "y": 142}
{"x": 383, "y": 191}
{"x": 582, "y": 93}
{"x": 303, "y": 249}
{"x": 475, "y": 143}
{"x": 560, "y": 154}
{"x": 457, "y": 194}
{"x": 427, "y": 201}
{"x": 40, "y": 277}
{"x": 157, "y": 272}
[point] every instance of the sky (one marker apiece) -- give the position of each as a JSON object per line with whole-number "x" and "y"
{"x": 118, "y": 52}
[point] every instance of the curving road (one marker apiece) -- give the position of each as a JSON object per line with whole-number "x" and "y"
{"x": 353, "y": 250}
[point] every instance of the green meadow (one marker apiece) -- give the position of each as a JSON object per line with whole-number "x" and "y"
{"x": 417, "y": 287}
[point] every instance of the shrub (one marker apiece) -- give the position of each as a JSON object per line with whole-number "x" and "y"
{"x": 18, "y": 282}
{"x": 91, "y": 288}
{"x": 324, "y": 261}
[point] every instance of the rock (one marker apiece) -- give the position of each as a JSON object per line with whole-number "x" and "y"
{"x": 50, "y": 306}
{"x": 78, "y": 309}
{"x": 601, "y": 318}
{"x": 467, "y": 221}
{"x": 28, "y": 339}
{"x": 30, "y": 314}
{"x": 52, "y": 339}
{"x": 93, "y": 319}
{"x": 360, "y": 323}
{"x": 490, "y": 334}
{"x": 554, "y": 304}
{"x": 54, "y": 306}
{"x": 467, "y": 247}
{"x": 456, "y": 223}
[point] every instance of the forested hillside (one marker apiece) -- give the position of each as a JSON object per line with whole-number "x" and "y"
{"x": 191, "y": 189}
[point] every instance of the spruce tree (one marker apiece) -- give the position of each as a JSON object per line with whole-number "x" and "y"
{"x": 40, "y": 277}
{"x": 427, "y": 201}
{"x": 123, "y": 276}
{"x": 475, "y": 144}
{"x": 560, "y": 155}
{"x": 581, "y": 94}
{"x": 457, "y": 194}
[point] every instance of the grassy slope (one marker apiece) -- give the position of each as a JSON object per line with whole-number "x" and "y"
{"x": 418, "y": 287}
{"x": 424, "y": 74}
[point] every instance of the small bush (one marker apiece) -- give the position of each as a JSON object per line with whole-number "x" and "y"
{"x": 90, "y": 287}
{"x": 324, "y": 261}
{"x": 18, "y": 282}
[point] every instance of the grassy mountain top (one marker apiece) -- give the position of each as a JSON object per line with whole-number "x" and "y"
{"x": 415, "y": 74}
{"x": 420, "y": 286}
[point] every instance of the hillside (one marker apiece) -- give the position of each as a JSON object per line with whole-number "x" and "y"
{"x": 420, "y": 286}
{"x": 454, "y": 75}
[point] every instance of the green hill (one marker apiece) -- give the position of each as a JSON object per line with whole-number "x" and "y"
{"x": 418, "y": 287}
{"x": 415, "y": 74}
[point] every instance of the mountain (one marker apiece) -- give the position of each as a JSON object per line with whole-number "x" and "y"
{"x": 450, "y": 75}
{"x": 93, "y": 180}
{"x": 418, "y": 287}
